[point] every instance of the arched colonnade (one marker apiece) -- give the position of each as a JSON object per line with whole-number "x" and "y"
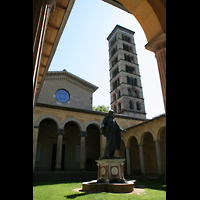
{"x": 69, "y": 129}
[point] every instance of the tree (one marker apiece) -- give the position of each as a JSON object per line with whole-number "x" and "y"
{"x": 101, "y": 108}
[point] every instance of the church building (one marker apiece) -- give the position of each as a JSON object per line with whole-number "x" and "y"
{"x": 66, "y": 131}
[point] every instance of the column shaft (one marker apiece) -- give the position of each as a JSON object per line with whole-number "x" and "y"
{"x": 158, "y": 156}
{"x": 35, "y": 140}
{"x": 128, "y": 160}
{"x": 83, "y": 134}
{"x": 141, "y": 158}
{"x": 59, "y": 149}
{"x": 161, "y": 60}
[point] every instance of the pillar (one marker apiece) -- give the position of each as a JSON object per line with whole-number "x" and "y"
{"x": 60, "y": 134}
{"x": 83, "y": 134}
{"x": 141, "y": 158}
{"x": 158, "y": 46}
{"x": 35, "y": 139}
{"x": 158, "y": 156}
{"x": 128, "y": 160}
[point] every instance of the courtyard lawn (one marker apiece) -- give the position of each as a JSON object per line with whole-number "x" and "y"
{"x": 57, "y": 190}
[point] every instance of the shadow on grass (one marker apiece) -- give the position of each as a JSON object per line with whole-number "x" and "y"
{"x": 155, "y": 185}
{"x": 38, "y": 183}
{"x": 73, "y": 196}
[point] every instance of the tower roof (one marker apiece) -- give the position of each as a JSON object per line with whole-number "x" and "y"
{"x": 120, "y": 28}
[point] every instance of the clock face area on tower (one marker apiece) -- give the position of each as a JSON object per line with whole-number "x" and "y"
{"x": 62, "y": 96}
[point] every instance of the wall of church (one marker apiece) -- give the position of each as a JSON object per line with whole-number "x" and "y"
{"x": 80, "y": 97}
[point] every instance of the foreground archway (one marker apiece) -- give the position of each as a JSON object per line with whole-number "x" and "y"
{"x": 92, "y": 144}
{"x": 151, "y": 14}
{"x": 47, "y": 137}
{"x": 150, "y": 161}
{"x": 72, "y": 151}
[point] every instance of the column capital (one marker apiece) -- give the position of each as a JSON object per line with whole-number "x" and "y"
{"x": 36, "y": 127}
{"x": 156, "y": 140}
{"x": 83, "y": 133}
{"x": 157, "y": 43}
{"x": 60, "y": 132}
{"x": 140, "y": 144}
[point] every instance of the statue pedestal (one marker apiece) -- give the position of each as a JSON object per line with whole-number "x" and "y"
{"x": 110, "y": 170}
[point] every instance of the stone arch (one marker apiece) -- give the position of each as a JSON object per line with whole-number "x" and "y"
{"x": 130, "y": 137}
{"x": 141, "y": 139}
{"x": 72, "y": 119}
{"x": 98, "y": 124}
{"x": 159, "y": 132}
{"x": 48, "y": 116}
{"x": 150, "y": 14}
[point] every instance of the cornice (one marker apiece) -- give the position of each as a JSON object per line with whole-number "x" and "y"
{"x": 72, "y": 78}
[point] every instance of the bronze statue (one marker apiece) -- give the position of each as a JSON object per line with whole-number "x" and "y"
{"x": 112, "y": 131}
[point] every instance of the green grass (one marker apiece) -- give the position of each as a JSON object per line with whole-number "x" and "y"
{"x": 57, "y": 190}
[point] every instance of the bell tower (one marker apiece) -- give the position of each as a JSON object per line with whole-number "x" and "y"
{"x": 125, "y": 81}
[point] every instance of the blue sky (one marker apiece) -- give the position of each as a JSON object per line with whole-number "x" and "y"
{"x": 83, "y": 51}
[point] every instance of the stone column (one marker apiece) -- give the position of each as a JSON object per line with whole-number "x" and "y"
{"x": 60, "y": 133}
{"x": 83, "y": 134}
{"x": 141, "y": 158}
{"x": 128, "y": 160}
{"x": 158, "y": 156}
{"x": 35, "y": 139}
{"x": 158, "y": 46}
{"x": 161, "y": 60}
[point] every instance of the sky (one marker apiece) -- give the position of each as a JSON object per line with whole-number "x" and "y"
{"x": 83, "y": 51}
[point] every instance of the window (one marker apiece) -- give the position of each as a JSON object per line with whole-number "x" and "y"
{"x": 135, "y": 82}
{"x": 126, "y": 38}
{"x": 129, "y": 58}
{"x": 62, "y": 95}
{"x": 113, "y": 51}
{"x": 114, "y": 61}
{"x": 113, "y": 41}
{"x": 114, "y": 97}
{"x": 115, "y": 109}
{"x": 115, "y": 72}
{"x": 129, "y": 92}
{"x": 130, "y": 69}
{"x": 116, "y": 84}
{"x": 136, "y": 94}
{"x": 119, "y": 94}
{"x": 119, "y": 106}
{"x": 130, "y": 105}
{"x": 127, "y": 48}
{"x": 128, "y": 80}
{"x": 138, "y": 106}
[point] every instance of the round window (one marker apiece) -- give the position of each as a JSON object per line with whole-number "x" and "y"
{"x": 62, "y": 96}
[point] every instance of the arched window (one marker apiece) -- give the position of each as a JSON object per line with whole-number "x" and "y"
{"x": 114, "y": 97}
{"x": 115, "y": 109}
{"x": 135, "y": 82}
{"x": 138, "y": 106}
{"x": 131, "y": 81}
{"x": 119, "y": 94}
{"x": 130, "y": 105}
{"x": 136, "y": 94}
{"x": 119, "y": 106}
{"x": 129, "y": 92}
{"x": 128, "y": 79}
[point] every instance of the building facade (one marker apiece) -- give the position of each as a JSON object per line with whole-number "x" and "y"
{"x": 66, "y": 89}
{"x": 125, "y": 81}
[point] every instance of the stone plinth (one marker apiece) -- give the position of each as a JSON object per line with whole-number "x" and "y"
{"x": 110, "y": 170}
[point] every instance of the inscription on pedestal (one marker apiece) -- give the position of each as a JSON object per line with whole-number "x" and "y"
{"x": 110, "y": 170}
{"x": 103, "y": 171}
{"x": 114, "y": 171}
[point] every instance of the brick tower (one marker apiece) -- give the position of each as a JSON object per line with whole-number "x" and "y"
{"x": 125, "y": 81}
